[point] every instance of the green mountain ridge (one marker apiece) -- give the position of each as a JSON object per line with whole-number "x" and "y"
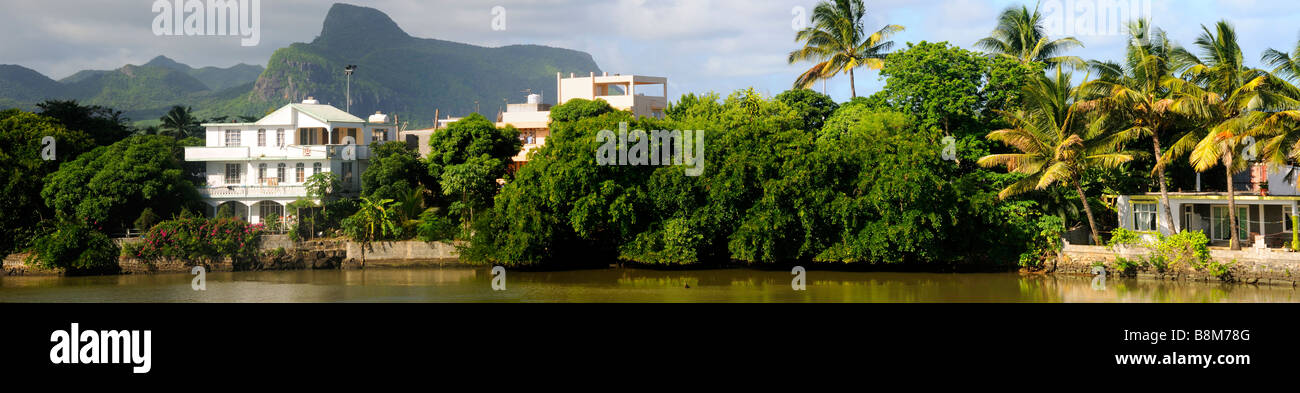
{"x": 399, "y": 74}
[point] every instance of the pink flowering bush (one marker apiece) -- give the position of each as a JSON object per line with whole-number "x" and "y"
{"x": 195, "y": 239}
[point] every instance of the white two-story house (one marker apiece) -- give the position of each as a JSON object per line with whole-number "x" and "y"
{"x": 259, "y": 168}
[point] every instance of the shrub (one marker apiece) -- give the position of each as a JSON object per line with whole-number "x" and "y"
{"x": 434, "y": 226}
{"x": 76, "y": 247}
{"x": 147, "y": 220}
{"x": 1184, "y": 249}
{"x": 1046, "y": 243}
{"x": 1124, "y": 237}
{"x": 200, "y": 239}
{"x": 1221, "y": 270}
{"x": 1127, "y": 267}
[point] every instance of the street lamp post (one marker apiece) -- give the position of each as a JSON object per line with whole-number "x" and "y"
{"x": 349, "y": 70}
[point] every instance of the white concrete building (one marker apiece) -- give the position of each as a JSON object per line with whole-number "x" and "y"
{"x": 644, "y": 96}
{"x": 1266, "y": 199}
{"x": 260, "y": 167}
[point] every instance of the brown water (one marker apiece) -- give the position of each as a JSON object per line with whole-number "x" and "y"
{"x": 621, "y": 285}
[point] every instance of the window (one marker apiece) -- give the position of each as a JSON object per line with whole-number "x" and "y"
{"x": 279, "y": 173}
{"x": 271, "y": 211}
{"x": 347, "y": 173}
{"x": 1144, "y": 217}
{"x": 232, "y": 173}
{"x": 301, "y": 173}
{"x": 1287, "y": 212}
{"x": 279, "y": 137}
{"x": 315, "y": 169}
{"x": 232, "y": 138}
{"x": 261, "y": 138}
{"x": 261, "y": 173}
{"x": 379, "y": 135}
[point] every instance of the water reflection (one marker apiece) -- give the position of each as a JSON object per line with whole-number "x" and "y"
{"x": 621, "y": 285}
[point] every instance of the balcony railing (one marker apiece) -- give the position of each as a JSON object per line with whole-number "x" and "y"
{"x": 253, "y": 191}
{"x": 297, "y": 152}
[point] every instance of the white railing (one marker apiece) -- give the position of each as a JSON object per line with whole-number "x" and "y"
{"x": 253, "y": 191}
{"x": 295, "y": 152}
{"x": 215, "y": 153}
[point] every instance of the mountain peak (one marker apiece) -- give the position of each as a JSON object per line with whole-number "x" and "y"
{"x": 352, "y": 27}
{"x": 166, "y": 62}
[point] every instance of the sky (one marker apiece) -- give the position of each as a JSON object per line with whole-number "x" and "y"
{"x": 699, "y": 45}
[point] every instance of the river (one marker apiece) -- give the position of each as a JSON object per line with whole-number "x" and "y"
{"x": 621, "y": 285}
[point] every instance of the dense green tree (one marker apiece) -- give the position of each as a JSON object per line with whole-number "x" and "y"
{"x": 76, "y": 246}
{"x": 534, "y": 220}
{"x": 473, "y": 152}
{"x": 109, "y": 186}
{"x": 105, "y": 125}
{"x": 23, "y": 170}
{"x": 938, "y": 84}
{"x": 812, "y": 106}
{"x": 951, "y": 89}
{"x": 393, "y": 172}
{"x": 472, "y": 185}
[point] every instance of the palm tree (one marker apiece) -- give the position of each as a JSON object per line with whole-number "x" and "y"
{"x": 1020, "y": 35}
{"x": 1057, "y": 142}
{"x": 1285, "y": 65}
{"x": 1282, "y": 127}
{"x": 179, "y": 122}
{"x": 1228, "y": 97}
{"x": 411, "y": 203}
{"x": 838, "y": 42}
{"x": 1136, "y": 90}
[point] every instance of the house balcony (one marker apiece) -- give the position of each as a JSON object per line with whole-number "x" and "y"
{"x": 253, "y": 191}
{"x": 289, "y": 153}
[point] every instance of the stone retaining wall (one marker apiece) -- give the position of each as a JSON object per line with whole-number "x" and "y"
{"x": 414, "y": 252}
{"x": 271, "y": 242}
{"x": 14, "y": 265}
{"x": 1252, "y": 266}
{"x": 137, "y": 266}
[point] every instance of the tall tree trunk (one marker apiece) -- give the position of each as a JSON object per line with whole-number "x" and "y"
{"x": 1234, "y": 244}
{"x": 853, "y": 88}
{"x": 1092, "y": 223}
{"x": 1164, "y": 189}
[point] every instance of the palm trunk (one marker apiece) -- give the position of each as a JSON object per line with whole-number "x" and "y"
{"x": 853, "y": 88}
{"x": 1233, "y": 243}
{"x": 1092, "y": 223}
{"x": 1164, "y": 189}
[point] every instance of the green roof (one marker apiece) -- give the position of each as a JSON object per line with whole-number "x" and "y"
{"x": 327, "y": 113}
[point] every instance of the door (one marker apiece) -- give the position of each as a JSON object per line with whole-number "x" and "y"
{"x": 1220, "y": 226}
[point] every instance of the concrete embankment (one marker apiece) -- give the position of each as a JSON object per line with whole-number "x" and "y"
{"x": 278, "y": 253}
{"x": 403, "y": 254}
{"x": 1249, "y": 266}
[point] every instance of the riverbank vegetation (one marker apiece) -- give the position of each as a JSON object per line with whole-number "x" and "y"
{"x": 963, "y": 158}
{"x": 198, "y": 239}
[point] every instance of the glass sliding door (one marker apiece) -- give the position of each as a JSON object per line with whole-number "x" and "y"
{"x": 1220, "y": 225}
